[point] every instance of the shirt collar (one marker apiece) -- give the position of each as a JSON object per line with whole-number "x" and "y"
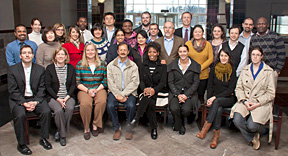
{"x": 169, "y": 39}
{"x": 108, "y": 29}
{"x": 251, "y": 34}
{"x": 264, "y": 34}
{"x": 234, "y": 44}
{"x": 19, "y": 42}
{"x": 25, "y": 68}
{"x": 119, "y": 61}
{"x": 189, "y": 28}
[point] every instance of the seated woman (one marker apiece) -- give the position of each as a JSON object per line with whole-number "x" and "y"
{"x": 112, "y": 50}
{"x": 183, "y": 81}
{"x": 60, "y": 84}
{"x": 153, "y": 77}
{"x": 255, "y": 91}
{"x": 91, "y": 80}
{"x": 220, "y": 92}
{"x": 138, "y": 53}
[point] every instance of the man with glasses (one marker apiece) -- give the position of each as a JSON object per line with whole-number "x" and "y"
{"x": 146, "y": 20}
{"x": 109, "y": 28}
{"x": 169, "y": 44}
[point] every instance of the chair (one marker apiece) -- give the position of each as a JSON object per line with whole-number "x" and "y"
{"x": 162, "y": 104}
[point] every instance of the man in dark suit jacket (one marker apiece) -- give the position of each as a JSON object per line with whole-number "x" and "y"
{"x": 109, "y": 28}
{"x": 169, "y": 44}
{"x": 181, "y": 32}
{"x": 26, "y": 87}
{"x": 146, "y": 20}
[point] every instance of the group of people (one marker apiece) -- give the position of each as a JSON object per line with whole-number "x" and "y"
{"x": 107, "y": 66}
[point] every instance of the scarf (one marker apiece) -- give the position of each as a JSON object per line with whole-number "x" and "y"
{"x": 76, "y": 43}
{"x": 222, "y": 70}
{"x": 201, "y": 45}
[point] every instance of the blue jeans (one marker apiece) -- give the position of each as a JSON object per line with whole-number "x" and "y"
{"x": 130, "y": 106}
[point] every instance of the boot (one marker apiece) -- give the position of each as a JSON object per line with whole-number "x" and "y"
{"x": 204, "y": 130}
{"x": 215, "y": 138}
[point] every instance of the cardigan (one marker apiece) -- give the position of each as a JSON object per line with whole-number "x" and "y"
{"x": 45, "y": 53}
{"x": 75, "y": 54}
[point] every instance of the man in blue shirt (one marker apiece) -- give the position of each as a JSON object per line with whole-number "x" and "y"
{"x": 153, "y": 31}
{"x": 13, "y": 48}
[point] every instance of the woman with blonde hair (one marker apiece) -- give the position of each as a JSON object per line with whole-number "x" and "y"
{"x": 60, "y": 32}
{"x": 91, "y": 80}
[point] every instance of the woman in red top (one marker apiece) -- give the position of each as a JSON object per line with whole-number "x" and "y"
{"x": 74, "y": 46}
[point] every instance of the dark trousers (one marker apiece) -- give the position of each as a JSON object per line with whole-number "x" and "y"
{"x": 130, "y": 106}
{"x": 201, "y": 89}
{"x": 19, "y": 117}
{"x": 147, "y": 105}
{"x": 216, "y": 109}
{"x": 181, "y": 110}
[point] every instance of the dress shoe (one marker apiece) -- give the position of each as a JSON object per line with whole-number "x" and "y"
{"x": 63, "y": 141}
{"x": 154, "y": 134}
{"x": 182, "y": 130}
{"x": 45, "y": 143}
{"x": 23, "y": 149}
{"x": 129, "y": 136}
{"x": 87, "y": 136}
{"x": 117, "y": 135}
{"x": 57, "y": 136}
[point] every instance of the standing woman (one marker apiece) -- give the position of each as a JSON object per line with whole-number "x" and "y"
{"x": 46, "y": 50}
{"x": 60, "y": 31}
{"x": 36, "y": 35}
{"x": 183, "y": 81}
{"x": 130, "y": 35}
{"x": 201, "y": 51}
{"x": 153, "y": 77}
{"x": 119, "y": 36}
{"x": 220, "y": 93}
{"x": 74, "y": 46}
{"x": 138, "y": 52}
{"x": 218, "y": 37}
{"x": 91, "y": 80}
{"x": 60, "y": 83}
{"x": 102, "y": 44}
{"x": 255, "y": 92}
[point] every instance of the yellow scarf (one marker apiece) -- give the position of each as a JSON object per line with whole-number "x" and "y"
{"x": 222, "y": 70}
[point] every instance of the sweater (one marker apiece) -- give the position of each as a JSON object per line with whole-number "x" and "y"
{"x": 75, "y": 54}
{"x": 45, "y": 53}
{"x": 102, "y": 47}
{"x": 204, "y": 58}
{"x": 273, "y": 48}
{"x": 35, "y": 37}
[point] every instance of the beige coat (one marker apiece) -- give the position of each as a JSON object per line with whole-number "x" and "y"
{"x": 130, "y": 76}
{"x": 261, "y": 90}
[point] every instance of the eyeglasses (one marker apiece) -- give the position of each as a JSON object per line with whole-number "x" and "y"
{"x": 168, "y": 27}
{"x": 59, "y": 29}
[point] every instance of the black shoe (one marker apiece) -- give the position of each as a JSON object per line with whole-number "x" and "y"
{"x": 23, "y": 149}
{"x": 57, "y": 136}
{"x": 44, "y": 142}
{"x": 63, "y": 141}
{"x": 154, "y": 134}
{"x": 174, "y": 129}
{"x": 182, "y": 130}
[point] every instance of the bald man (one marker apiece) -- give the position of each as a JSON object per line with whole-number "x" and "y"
{"x": 169, "y": 44}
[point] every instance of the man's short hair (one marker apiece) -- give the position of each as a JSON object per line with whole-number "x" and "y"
{"x": 82, "y": 17}
{"x": 186, "y": 12}
{"x": 146, "y": 12}
{"x": 122, "y": 43}
{"x": 235, "y": 27}
{"x": 45, "y": 31}
{"x": 26, "y": 46}
{"x": 127, "y": 20}
{"x": 19, "y": 25}
{"x": 154, "y": 24}
{"x": 109, "y": 13}
{"x": 250, "y": 18}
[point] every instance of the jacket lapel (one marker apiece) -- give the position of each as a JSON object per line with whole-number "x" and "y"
{"x": 162, "y": 42}
{"x": 21, "y": 72}
{"x": 33, "y": 72}
{"x": 174, "y": 43}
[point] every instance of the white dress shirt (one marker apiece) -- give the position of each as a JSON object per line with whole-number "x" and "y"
{"x": 27, "y": 73}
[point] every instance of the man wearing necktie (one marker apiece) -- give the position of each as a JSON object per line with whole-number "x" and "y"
{"x": 186, "y": 32}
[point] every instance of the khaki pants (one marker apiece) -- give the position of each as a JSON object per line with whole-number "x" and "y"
{"x": 86, "y": 108}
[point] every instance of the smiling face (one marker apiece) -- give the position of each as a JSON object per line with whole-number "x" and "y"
{"x": 234, "y": 34}
{"x": 26, "y": 55}
{"x": 123, "y": 51}
{"x": 50, "y": 36}
{"x": 153, "y": 30}
{"x": 97, "y": 33}
{"x": 36, "y": 26}
{"x": 90, "y": 52}
{"x": 262, "y": 25}
{"x": 109, "y": 20}
{"x": 217, "y": 33}
{"x": 169, "y": 29}
{"x": 153, "y": 54}
{"x": 60, "y": 57}
{"x": 145, "y": 18}
{"x": 127, "y": 27}
{"x": 183, "y": 53}
{"x": 141, "y": 40}
{"x": 186, "y": 19}
{"x": 59, "y": 31}
{"x": 82, "y": 23}
{"x": 224, "y": 58}
{"x": 198, "y": 33}
{"x": 21, "y": 33}
{"x": 248, "y": 25}
{"x": 120, "y": 36}
{"x": 74, "y": 34}
{"x": 256, "y": 56}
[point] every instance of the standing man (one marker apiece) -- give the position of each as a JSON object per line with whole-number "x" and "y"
{"x": 247, "y": 33}
{"x": 169, "y": 44}
{"x": 153, "y": 31}
{"x": 272, "y": 45}
{"x": 186, "y": 31}
{"x": 146, "y": 20}
{"x": 26, "y": 87}
{"x": 123, "y": 81}
{"x": 85, "y": 34}
{"x": 13, "y": 48}
{"x": 109, "y": 28}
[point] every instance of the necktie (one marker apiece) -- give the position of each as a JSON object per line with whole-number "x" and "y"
{"x": 82, "y": 37}
{"x": 186, "y": 36}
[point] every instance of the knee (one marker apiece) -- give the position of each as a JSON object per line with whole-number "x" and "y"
{"x": 130, "y": 106}
{"x": 110, "y": 106}
{"x": 237, "y": 119}
{"x": 20, "y": 115}
{"x": 186, "y": 112}
{"x": 220, "y": 110}
{"x": 58, "y": 112}
{"x": 174, "y": 108}
{"x": 253, "y": 127}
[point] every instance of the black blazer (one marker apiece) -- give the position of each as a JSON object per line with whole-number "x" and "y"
{"x": 157, "y": 80}
{"x": 137, "y": 30}
{"x": 52, "y": 82}
{"x": 189, "y": 81}
{"x": 17, "y": 84}
{"x": 178, "y": 32}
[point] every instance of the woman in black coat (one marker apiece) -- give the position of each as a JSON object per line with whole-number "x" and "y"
{"x": 139, "y": 52}
{"x": 183, "y": 81}
{"x": 153, "y": 78}
{"x": 60, "y": 81}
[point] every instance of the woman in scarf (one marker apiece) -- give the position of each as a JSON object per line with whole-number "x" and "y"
{"x": 60, "y": 32}
{"x": 220, "y": 93}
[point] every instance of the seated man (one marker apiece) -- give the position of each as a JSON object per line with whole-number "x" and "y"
{"x": 27, "y": 90}
{"x": 123, "y": 81}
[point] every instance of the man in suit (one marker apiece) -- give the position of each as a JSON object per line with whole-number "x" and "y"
{"x": 186, "y": 31}
{"x": 169, "y": 44}
{"x": 146, "y": 20}
{"x": 86, "y": 35}
{"x": 27, "y": 90}
{"x": 109, "y": 28}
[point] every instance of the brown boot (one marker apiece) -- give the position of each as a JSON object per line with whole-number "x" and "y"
{"x": 215, "y": 138}
{"x": 203, "y": 132}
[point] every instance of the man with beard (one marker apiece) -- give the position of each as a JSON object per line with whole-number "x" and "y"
{"x": 146, "y": 20}
{"x": 13, "y": 48}
{"x": 169, "y": 44}
{"x": 85, "y": 34}
{"x": 247, "y": 33}
{"x": 272, "y": 45}
{"x": 186, "y": 31}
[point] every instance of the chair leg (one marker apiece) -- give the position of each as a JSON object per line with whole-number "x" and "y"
{"x": 27, "y": 132}
{"x": 278, "y": 128}
{"x": 165, "y": 115}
